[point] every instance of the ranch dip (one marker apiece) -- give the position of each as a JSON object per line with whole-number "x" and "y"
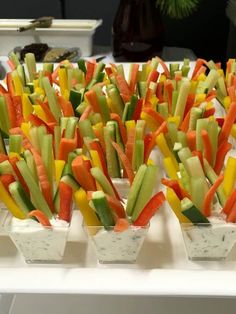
{"x": 115, "y": 247}
{"x": 210, "y": 242}
{"x": 37, "y": 243}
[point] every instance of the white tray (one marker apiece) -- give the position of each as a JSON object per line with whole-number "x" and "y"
{"x": 62, "y": 33}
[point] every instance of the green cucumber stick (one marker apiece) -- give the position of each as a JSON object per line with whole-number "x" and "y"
{"x": 4, "y": 118}
{"x": 163, "y": 109}
{"x": 14, "y": 58}
{"x": 146, "y": 190}
{"x": 139, "y": 154}
{"x": 57, "y": 140}
{"x": 86, "y": 129}
{"x": 175, "y": 96}
{"x": 195, "y": 114}
{"x": 47, "y": 156}
{"x": 117, "y": 104}
{"x": 31, "y": 65}
{"x": 111, "y": 155}
{"x": 184, "y": 154}
{"x": 135, "y": 189}
{"x": 198, "y": 191}
{"x": 173, "y": 68}
{"x": 103, "y": 105}
{"x": 99, "y": 68}
{"x": 184, "y": 177}
{"x": 213, "y": 132}
{"x": 125, "y": 112}
{"x": 21, "y": 197}
{"x": 132, "y": 106}
{"x": 31, "y": 163}
{"x": 37, "y": 197}
{"x": 51, "y": 96}
{"x": 15, "y": 143}
{"x": 142, "y": 88}
{"x": 100, "y": 177}
{"x": 182, "y": 138}
{"x": 202, "y": 124}
{"x": 102, "y": 209}
{"x": 172, "y": 131}
{"x": 191, "y": 212}
{"x": 211, "y": 80}
{"x": 70, "y": 127}
{"x": 182, "y": 99}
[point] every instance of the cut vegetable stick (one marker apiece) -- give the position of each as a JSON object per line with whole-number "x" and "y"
{"x": 59, "y": 166}
{"x": 229, "y": 175}
{"x": 170, "y": 168}
{"x": 232, "y": 215}
{"x": 122, "y": 129}
{"x": 82, "y": 175}
{"x": 154, "y": 115}
{"x": 228, "y": 123}
{"x": 229, "y": 203}
{"x": 175, "y": 204}
{"x": 191, "y": 139}
{"x": 65, "y": 194}
{"x": 116, "y": 206}
{"x": 207, "y": 146}
{"x": 121, "y": 225}
{"x": 11, "y": 110}
{"x": 66, "y": 106}
{"x": 220, "y": 156}
{"x": 41, "y": 217}
{"x": 66, "y": 146}
{"x": 150, "y": 209}
{"x": 102, "y": 180}
{"x": 123, "y": 88}
{"x": 182, "y": 98}
{"x": 133, "y": 76}
{"x": 162, "y": 144}
{"x": 210, "y": 195}
{"x": 6, "y": 180}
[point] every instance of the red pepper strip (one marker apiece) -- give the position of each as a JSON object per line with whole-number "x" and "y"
{"x": 121, "y": 225}
{"x": 228, "y": 123}
{"x": 50, "y": 117}
{"x": 17, "y": 104}
{"x": 41, "y": 217}
{"x": 125, "y": 161}
{"x": 165, "y": 69}
{"x": 210, "y": 195}
{"x": 198, "y": 65}
{"x": 10, "y": 85}
{"x": 150, "y": 209}
{"x": 122, "y": 129}
{"x": 3, "y": 89}
{"x": 36, "y": 121}
{"x": 138, "y": 110}
{"x": 151, "y": 143}
{"x": 6, "y": 180}
{"x": 11, "y": 110}
{"x": 123, "y": 88}
{"x": 229, "y": 203}
{"x": 3, "y": 157}
{"x": 89, "y": 72}
{"x": 191, "y": 139}
{"x": 189, "y": 103}
{"x": 13, "y": 161}
{"x": 82, "y": 175}
{"x": 152, "y": 77}
{"x": 66, "y": 107}
{"x": 156, "y": 116}
{"x": 207, "y": 146}
{"x": 45, "y": 185}
{"x": 65, "y": 194}
{"x": 201, "y": 70}
{"x": 159, "y": 92}
{"x": 220, "y": 121}
{"x": 220, "y": 156}
{"x": 133, "y": 77}
{"x": 174, "y": 185}
{"x": 209, "y": 112}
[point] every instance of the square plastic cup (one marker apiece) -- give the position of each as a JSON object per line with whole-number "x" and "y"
{"x": 123, "y": 186}
{"x": 116, "y": 247}
{"x": 36, "y": 243}
{"x": 208, "y": 242}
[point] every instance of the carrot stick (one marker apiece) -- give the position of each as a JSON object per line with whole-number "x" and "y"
{"x": 229, "y": 203}
{"x": 210, "y": 195}
{"x": 133, "y": 77}
{"x": 228, "y": 123}
{"x": 91, "y": 97}
{"x": 168, "y": 86}
{"x": 232, "y": 215}
{"x": 41, "y": 217}
{"x": 66, "y": 146}
{"x": 165, "y": 69}
{"x": 207, "y": 146}
{"x": 125, "y": 161}
{"x": 220, "y": 156}
{"x": 152, "y": 77}
{"x": 123, "y": 88}
{"x": 122, "y": 129}
{"x": 116, "y": 205}
{"x": 191, "y": 139}
{"x": 90, "y": 71}
{"x": 154, "y": 115}
{"x": 66, "y": 107}
{"x": 82, "y": 175}
{"x": 121, "y": 225}
{"x": 50, "y": 117}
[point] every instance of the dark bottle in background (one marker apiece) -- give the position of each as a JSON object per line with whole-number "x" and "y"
{"x": 137, "y": 31}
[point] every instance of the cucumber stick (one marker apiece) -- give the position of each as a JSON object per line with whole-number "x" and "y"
{"x": 4, "y": 118}
{"x": 20, "y": 197}
{"x": 39, "y": 201}
{"x": 51, "y": 96}
{"x": 15, "y": 143}
{"x": 102, "y": 209}
{"x": 145, "y": 191}
{"x": 191, "y": 212}
{"x": 111, "y": 155}
{"x": 31, "y": 65}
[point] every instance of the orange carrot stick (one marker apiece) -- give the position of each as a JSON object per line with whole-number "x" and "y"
{"x": 191, "y": 139}
{"x": 229, "y": 203}
{"x": 82, "y": 175}
{"x": 210, "y": 194}
{"x": 220, "y": 156}
{"x": 207, "y": 146}
{"x": 123, "y": 132}
{"x": 228, "y": 123}
{"x": 41, "y": 217}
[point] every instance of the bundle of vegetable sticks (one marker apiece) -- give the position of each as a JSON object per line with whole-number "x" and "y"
{"x": 88, "y": 121}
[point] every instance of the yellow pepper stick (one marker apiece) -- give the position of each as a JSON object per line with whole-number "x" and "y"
{"x": 13, "y": 154}
{"x": 39, "y": 112}
{"x": 229, "y": 175}
{"x": 162, "y": 144}
{"x": 174, "y": 203}
{"x": 150, "y": 122}
{"x": 233, "y": 130}
{"x": 89, "y": 215}
{"x": 200, "y": 98}
{"x": 36, "y": 83}
{"x": 129, "y": 125}
{"x": 17, "y": 84}
{"x": 59, "y": 166}
{"x": 175, "y": 119}
{"x": 227, "y": 102}
{"x": 62, "y": 75}
{"x": 26, "y": 105}
{"x": 25, "y": 127}
{"x": 170, "y": 168}
{"x": 10, "y": 204}
{"x": 96, "y": 163}
{"x": 201, "y": 77}
{"x": 39, "y": 91}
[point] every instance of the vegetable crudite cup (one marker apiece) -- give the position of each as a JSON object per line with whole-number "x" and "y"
{"x": 38, "y": 243}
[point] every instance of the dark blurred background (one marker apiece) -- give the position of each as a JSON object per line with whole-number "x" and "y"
{"x": 205, "y": 31}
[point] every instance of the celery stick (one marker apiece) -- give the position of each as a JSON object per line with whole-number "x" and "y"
{"x": 80, "y": 108}
{"x": 41, "y": 130}
{"x": 173, "y": 67}
{"x": 103, "y": 105}
{"x": 125, "y": 112}
{"x": 182, "y": 138}
{"x": 48, "y": 67}
{"x": 95, "y": 118}
{"x": 14, "y": 58}
{"x": 39, "y": 201}
{"x": 184, "y": 154}
{"x": 31, "y": 65}
{"x": 15, "y": 143}
{"x": 194, "y": 167}
{"x": 184, "y": 177}
{"x": 211, "y": 79}
{"x": 177, "y": 147}
{"x": 50, "y": 93}
{"x": 172, "y": 131}
{"x": 70, "y": 127}
{"x": 175, "y": 96}
{"x": 213, "y": 131}
{"x": 111, "y": 155}
{"x": 198, "y": 191}
{"x": 132, "y": 106}
{"x": 146, "y": 190}
{"x": 182, "y": 98}
{"x": 135, "y": 189}
{"x": 86, "y": 129}
{"x": 100, "y": 177}
{"x": 34, "y": 137}
{"x": 99, "y": 68}
{"x": 163, "y": 109}
{"x": 47, "y": 156}
{"x": 21, "y": 72}
{"x": 142, "y": 88}
{"x": 2, "y": 144}
{"x": 116, "y": 100}
{"x": 6, "y": 168}
{"x": 63, "y": 124}
{"x": 4, "y": 118}
{"x": 57, "y": 140}
{"x": 139, "y": 154}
